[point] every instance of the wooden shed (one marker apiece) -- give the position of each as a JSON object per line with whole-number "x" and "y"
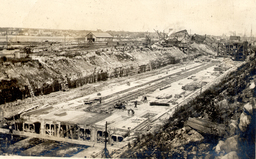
{"x": 98, "y": 37}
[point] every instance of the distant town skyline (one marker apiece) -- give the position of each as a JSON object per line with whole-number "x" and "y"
{"x": 214, "y": 17}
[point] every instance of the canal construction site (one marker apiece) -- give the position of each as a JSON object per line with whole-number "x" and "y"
{"x": 75, "y": 102}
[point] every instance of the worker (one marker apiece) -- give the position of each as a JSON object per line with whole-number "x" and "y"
{"x": 145, "y": 99}
{"x": 61, "y": 132}
{"x": 100, "y": 100}
{"x": 123, "y": 106}
{"x": 132, "y": 112}
{"x": 135, "y": 104}
{"x": 119, "y": 103}
{"x": 10, "y": 129}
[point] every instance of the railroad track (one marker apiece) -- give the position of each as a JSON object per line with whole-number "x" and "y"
{"x": 160, "y": 82}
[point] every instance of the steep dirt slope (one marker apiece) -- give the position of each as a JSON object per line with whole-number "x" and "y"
{"x": 69, "y": 69}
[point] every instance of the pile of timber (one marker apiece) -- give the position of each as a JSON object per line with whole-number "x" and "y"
{"x": 206, "y": 127}
{"x": 158, "y": 104}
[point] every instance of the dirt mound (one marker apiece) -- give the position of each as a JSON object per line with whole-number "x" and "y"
{"x": 191, "y": 86}
{"x": 204, "y": 48}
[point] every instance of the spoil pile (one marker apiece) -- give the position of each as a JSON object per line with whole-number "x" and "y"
{"x": 204, "y": 48}
{"x": 191, "y": 86}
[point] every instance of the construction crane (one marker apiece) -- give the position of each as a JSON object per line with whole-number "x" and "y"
{"x": 162, "y": 36}
{"x": 172, "y": 39}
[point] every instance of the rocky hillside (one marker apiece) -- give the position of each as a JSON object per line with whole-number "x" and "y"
{"x": 220, "y": 123}
{"x": 52, "y": 71}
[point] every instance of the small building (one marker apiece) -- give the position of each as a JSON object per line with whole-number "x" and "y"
{"x": 44, "y": 33}
{"x": 20, "y": 54}
{"x": 238, "y": 50}
{"x": 98, "y": 37}
{"x": 235, "y": 38}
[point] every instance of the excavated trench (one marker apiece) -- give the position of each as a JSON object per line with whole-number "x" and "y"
{"x": 40, "y": 79}
{"x": 62, "y": 149}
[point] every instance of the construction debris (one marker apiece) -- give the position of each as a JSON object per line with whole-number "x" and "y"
{"x": 206, "y": 127}
{"x": 158, "y": 104}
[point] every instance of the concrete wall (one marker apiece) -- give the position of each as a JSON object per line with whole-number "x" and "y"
{"x": 66, "y": 130}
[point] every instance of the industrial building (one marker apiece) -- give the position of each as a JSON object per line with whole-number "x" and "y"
{"x": 98, "y": 37}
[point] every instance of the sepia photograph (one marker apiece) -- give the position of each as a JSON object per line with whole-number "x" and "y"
{"x": 155, "y": 79}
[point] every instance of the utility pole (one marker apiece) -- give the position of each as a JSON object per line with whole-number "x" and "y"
{"x": 106, "y": 127}
{"x": 105, "y": 151}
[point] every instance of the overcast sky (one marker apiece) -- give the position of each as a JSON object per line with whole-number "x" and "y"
{"x": 200, "y": 16}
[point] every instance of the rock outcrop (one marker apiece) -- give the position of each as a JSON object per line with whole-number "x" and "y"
{"x": 245, "y": 120}
{"x": 187, "y": 138}
{"x": 225, "y": 147}
{"x": 231, "y": 155}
